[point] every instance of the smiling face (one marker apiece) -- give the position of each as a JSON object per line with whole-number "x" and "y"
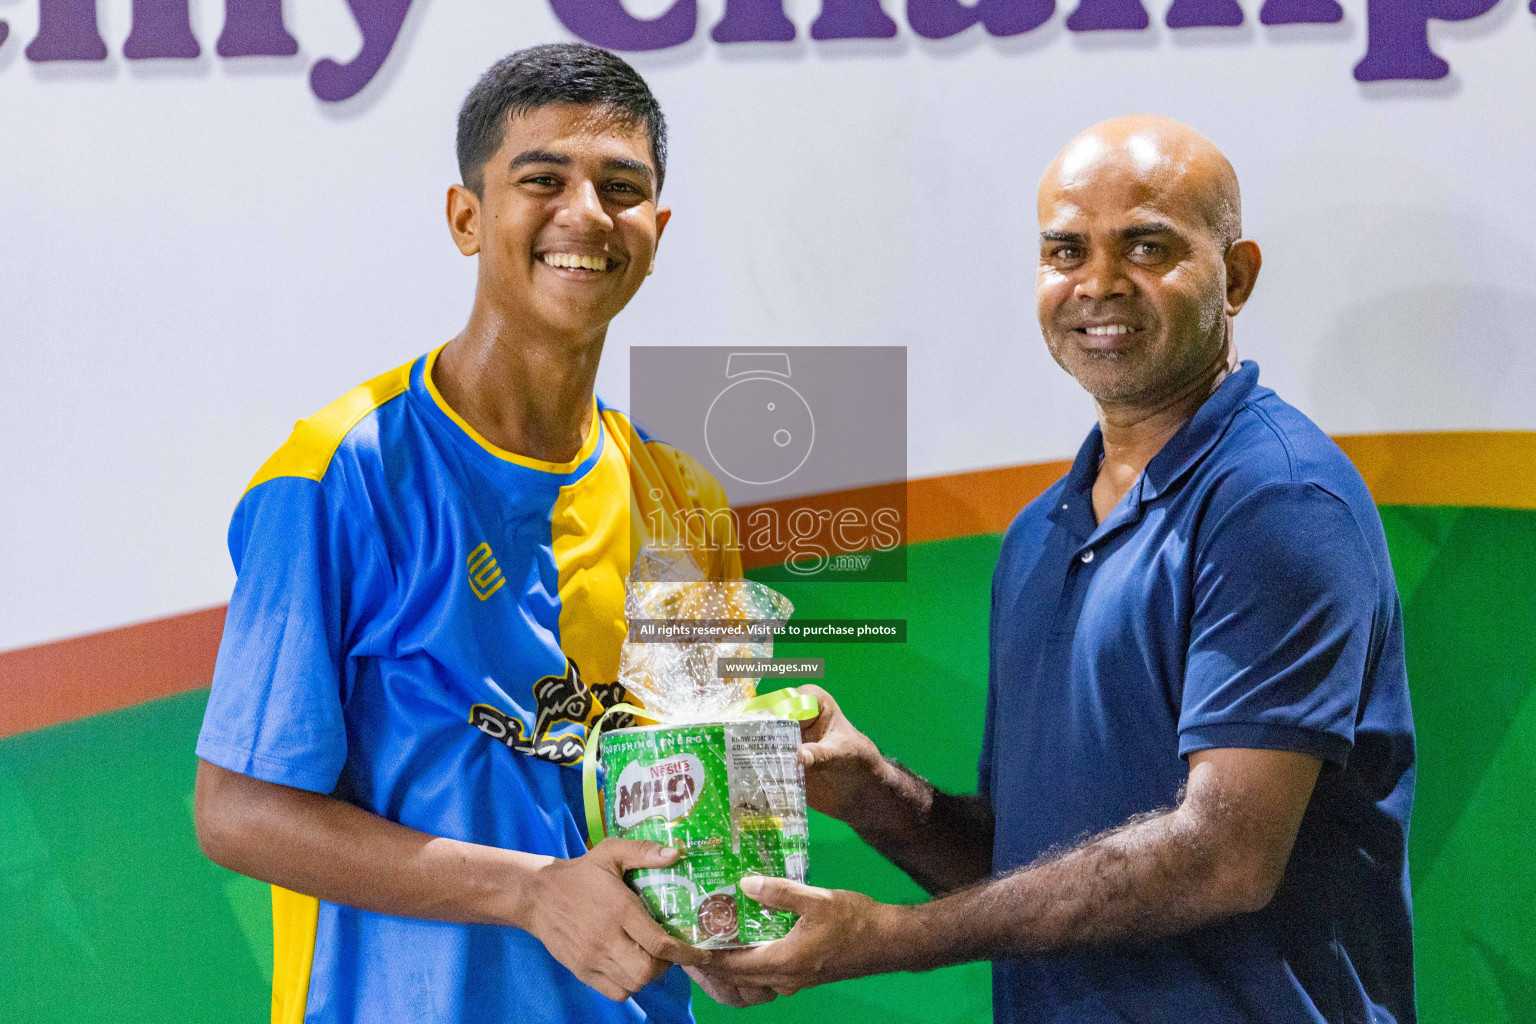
{"x": 567, "y": 224}
{"x": 1133, "y": 291}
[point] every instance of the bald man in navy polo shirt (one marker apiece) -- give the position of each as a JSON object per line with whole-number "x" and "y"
{"x": 1197, "y": 768}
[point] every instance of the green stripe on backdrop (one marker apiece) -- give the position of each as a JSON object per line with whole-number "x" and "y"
{"x": 108, "y": 912}
{"x": 1467, "y": 578}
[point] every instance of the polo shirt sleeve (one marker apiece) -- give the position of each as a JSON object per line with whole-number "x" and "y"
{"x": 1285, "y": 597}
{"x": 984, "y": 762}
{"x": 275, "y": 711}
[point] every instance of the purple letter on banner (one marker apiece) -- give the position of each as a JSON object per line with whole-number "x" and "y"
{"x": 1093, "y": 15}
{"x": 1397, "y": 37}
{"x": 161, "y": 29}
{"x": 1301, "y": 12}
{"x": 1204, "y": 14}
{"x": 254, "y": 28}
{"x": 379, "y": 21}
{"x": 940, "y": 19}
{"x": 5, "y": 30}
{"x": 852, "y": 19}
{"x": 753, "y": 21}
{"x": 66, "y": 30}
{"x": 606, "y": 23}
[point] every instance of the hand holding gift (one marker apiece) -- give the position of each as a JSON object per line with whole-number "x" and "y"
{"x": 719, "y": 777}
{"x": 837, "y": 929}
{"x": 586, "y": 918}
{"x": 838, "y": 935}
{"x": 840, "y": 762}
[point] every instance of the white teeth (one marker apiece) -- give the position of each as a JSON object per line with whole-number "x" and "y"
{"x": 1108, "y": 330}
{"x": 571, "y": 261}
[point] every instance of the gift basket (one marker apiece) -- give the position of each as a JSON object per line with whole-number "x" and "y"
{"x": 718, "y": 776}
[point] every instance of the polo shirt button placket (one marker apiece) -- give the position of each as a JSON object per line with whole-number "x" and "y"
{"x": 1087, "y": 556}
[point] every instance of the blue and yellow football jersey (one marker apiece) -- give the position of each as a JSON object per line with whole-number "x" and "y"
{"x": 424, "y": 625}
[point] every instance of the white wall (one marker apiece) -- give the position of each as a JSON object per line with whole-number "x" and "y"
{"x": 195, "y": 254}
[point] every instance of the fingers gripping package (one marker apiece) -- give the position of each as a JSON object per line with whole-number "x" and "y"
{"x": 719, "y": 777}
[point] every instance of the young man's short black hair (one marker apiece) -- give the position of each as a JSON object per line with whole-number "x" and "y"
{"x": 552, "y": 73}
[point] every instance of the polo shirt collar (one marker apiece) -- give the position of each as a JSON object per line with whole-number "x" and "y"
{"x": 1075, "y": 509}
{"x": 1169, "y": 466}
{"x": 1186, "y": 448}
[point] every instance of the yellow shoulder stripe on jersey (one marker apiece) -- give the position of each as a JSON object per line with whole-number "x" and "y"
{"x": 309, "y": 449}
{"x": 670, "y": 492}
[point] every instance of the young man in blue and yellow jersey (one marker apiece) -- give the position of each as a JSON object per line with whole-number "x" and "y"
{"x": 430, "y": 605}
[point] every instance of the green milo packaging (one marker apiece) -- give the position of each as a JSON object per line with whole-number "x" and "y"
{"x": 731, "y": 796}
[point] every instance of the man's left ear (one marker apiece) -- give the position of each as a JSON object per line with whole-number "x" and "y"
{"x": 1243, "y": 263}
{"x": 663, "y": 214}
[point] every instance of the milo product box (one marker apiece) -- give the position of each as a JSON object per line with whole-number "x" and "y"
{"x": 731, "y": 796}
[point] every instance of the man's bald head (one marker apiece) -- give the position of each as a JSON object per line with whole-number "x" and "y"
{"x": 1142, "y": 263}
{"x": 1164, "y": 156}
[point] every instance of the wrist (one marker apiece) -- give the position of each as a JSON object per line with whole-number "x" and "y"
{"x": 519, "y": 886}
{"x": 888, "y": 776}
{"x": 898, "y": 942}
{"x": 879, "y": 796}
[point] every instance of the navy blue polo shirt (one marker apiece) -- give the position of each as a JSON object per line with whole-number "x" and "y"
{"x": 1239, "y": 596}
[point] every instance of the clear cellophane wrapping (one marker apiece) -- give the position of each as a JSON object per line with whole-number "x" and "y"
{"x": 677, "y": 681}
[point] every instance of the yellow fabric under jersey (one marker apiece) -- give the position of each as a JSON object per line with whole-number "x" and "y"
{"x": 425, "y": 625}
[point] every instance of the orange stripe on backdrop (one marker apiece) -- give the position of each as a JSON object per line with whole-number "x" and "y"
{"x": 69, "y": 679}
{"x": 1486, "y": 469}
{"x": 985, "y": 501}
{"x": 938, "y": 508}
{"x": 86, "y": 675}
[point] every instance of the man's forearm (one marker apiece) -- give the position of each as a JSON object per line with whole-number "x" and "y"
{"x": 1157, "y": 875}
{"x": 944, "y": 842}
{"x": 340, "y": 853}
{"x": 1223, "y": 851}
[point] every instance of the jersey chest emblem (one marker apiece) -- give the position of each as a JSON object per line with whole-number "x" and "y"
{"x": 557, "y": 700}
{"x": 485, "y": 576}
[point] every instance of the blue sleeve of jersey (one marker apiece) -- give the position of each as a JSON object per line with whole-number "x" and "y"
{"x": 1285, "y": 597}
{"x": 275, "y": 712}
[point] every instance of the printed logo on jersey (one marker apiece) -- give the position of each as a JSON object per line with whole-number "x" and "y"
{"x": 485, "y": 576}
{"x": 557, "y": 699}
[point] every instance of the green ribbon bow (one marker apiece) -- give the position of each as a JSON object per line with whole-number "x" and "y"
{"x": 786, "y": 703}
